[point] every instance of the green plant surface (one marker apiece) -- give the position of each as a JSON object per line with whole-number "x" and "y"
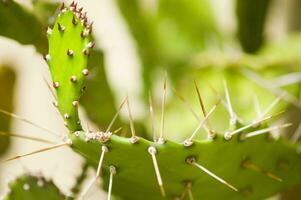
{"x": 264, "y": 166}
{"x": 14, "y": 17}
{"x": 251, "y": 16}
{"x": 68, "y": 62}
{"x": 33, "y": 188}
{"x": 135, "y": 178}
{"x": 7, "y": 83}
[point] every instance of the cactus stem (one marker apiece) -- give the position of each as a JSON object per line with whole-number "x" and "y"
{"x": 211, "y": 133}
{"x": 104, "y": 149}
{"x": 70, "y": 53}
{"x": 192, "y": 161}
{"x": 134, "y": 138}
{"x": 233, "y": 118}
{"x": 39, "y": 151}
{"x": 188, "y": 142}
{"x": 112, "y": 173}
{"x": 26, "y": 137}
{"x": 85, "y": 72}
{"x": 153, "y": 151}
{"x": 60, "y": 27}
{"x": 247, "y": 164}
{"x": 27, "y": 121}
{"x": 266, "y": 130}
{"x": 73, "y": 79}
{"x": 161, "y": 139}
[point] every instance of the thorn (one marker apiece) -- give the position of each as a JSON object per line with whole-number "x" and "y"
{"x": 60, "y": 27}
{"x": 47, "y": 57}
{"x": 62, "y": 6}
{"x": 272, "y": 105}
{"x": 85, "y": 72}
{"x": 153, "y": 151}
{"x": 188, "y": 142}
{"x": 51, "y": 91}
{"x": 270, "y": 87}
{"x": 73, "y": 79}
{"x": 80, "y": 9}
{"x": 75, "y": 104}
{"x": 189, "y": 186}
{"x": 74, "y": 22}
{"x": 116, "y": 115}
{"x": 249, "y": 165}
{"x": 86, "y": 51}
{"x": 230, "y": 108}
{"x": 152, "y": 117}
{"x": 86, "y": 189}
{"x": 134, "y": 138}
{"x": 66, "y": 116}
{"x": 49, "y": 31}
{"x": 27, "y": 121}
{"x": 266, "y": 130}
{"x": 55, "y": 84}
{"x": 161, "y": 139}
{"x": 257, "y": 106}
{"x": 112, "y": 173}
{"x": 70, "y": 53}
{"x": 72, "y": 4}
{"x": 25, "y": 137}
{"x": 297, "y": 134}
{"x": 91, "y": 45}
{"x": 39, "y": 151}
{"x": 228, "y": 135}
{"x": 192, "y": 161}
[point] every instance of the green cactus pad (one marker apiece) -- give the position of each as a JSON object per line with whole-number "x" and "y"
{"x": 33, "y": 188}
{"x": 135, "y": 178}
{"x": 7, "y": 81}
{"x": 69, "y": 46}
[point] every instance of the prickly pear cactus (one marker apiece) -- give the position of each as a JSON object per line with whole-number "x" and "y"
{"x": 68, "y": 61}
{"x": 34, "y": 188}
{"x": 7, "y": 81}
{"x": 241, "y": 164}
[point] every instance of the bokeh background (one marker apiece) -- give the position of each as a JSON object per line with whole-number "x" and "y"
{"x": 124, "y": 70}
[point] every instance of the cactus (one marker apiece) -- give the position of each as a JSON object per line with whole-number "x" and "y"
{"x": 7, "y": 81}
{"x": 136, "y": 164}
{"x": 245, "y": 162}
{"x": 33, "y": 187}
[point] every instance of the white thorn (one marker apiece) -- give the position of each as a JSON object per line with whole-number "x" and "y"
{"x": 266, "y": 130}
{"x": 153, "y": 151}
{"x": 193, "y": 162}
{"x": 112, "y": 173}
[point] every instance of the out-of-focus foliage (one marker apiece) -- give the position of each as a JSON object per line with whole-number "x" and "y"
{"x": 33, "y": 188}
{"x": 168, "y": 34}
{"x": 251, "y": 15}
{"x": 7, "y": 83}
